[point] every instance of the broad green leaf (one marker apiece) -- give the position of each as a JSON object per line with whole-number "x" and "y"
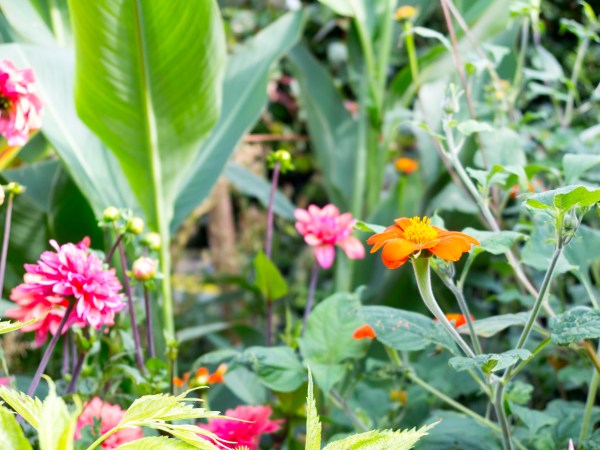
{"x": 341, "y": 7}
{"x": 496, "y": 243}
{"x": 198, "y": 331}
{"x": 313, "y": 424}
{"x": 368, "y": 227}
{"x": 380, "y": 439}
{"x": 333, "y": 131}
{"x": 152, "y": 95}
{"x": 575, "y": 166}
{"x": 156, "y": 443}
{"x": 533, "y": 420}
{"x": 491, "y": 326}
{"x": 28, "y": 408}
{"x": 56, "y": 423}
{"x": 268, "y": 279}
{"x": 11, "y": 434}
{"x": 565, "y": 198}
{"x": 93, "y": 168}
{"x": 468, "y": 127}
{"x": 458, "y": 431}
{"x": 538, "y": 249}
{"x": 491, "y": 362}
{"x": 503, "y": 147}
{"x": 432, "y": 34}
{"x": 278, "y": 368}
{"x": 582, "y": 250}
{"x": 327, "y": 340}
{"x": 244, "y": 98}
{"x": 405, "y": 330}
{"x": 253, "y": 185}
{"x": 575, "y": 325}
{"x": 246, "y": 385}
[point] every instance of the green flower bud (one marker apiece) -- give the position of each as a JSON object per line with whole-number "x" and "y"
{"x": 110, "y": 214}
{"x": 135, "y": 225}
{"x": 152, "y": 241}
{"x": 15, "y": 188}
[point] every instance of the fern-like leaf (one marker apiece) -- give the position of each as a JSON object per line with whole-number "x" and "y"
{"x": 28, "y": 408}
{"x": 6, "y": 326}
{"x": 156, "y": 443}
{"x": 379, "y": 439}
{"x": 313, "y": 425}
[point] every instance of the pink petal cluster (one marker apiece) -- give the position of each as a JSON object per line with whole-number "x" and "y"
{"x": 20, "y": 106}
{"x": 69, "y": 274}
{"x": 244, "y": 434}
{"x": 325, "y": 228}
{"x": 103, "y": 417}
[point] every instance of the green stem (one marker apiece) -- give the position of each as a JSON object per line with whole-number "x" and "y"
{"x": 584, "y": 279}
{"x": 537, "y": 350}
{"x": 464, "y": 309}
{"x": 589, "y": 405}
{"x": 581, "y": 51}
{"x": 385, "y": 48}
{"x": 104, "y": 437}
{"x": 502, "y": 417}
{"x": 521, "y": 58}
{"x": 409, "y": 41}
{"x": 339, "y": 401}
{"x": 421, "y": 268}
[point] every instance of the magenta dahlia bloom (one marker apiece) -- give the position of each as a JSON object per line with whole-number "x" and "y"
{"x": 244, "y": 434}
{"x": 325, "y": 228}
{"x": 102, "y": 417}
{"x": 20, "y": 105}
{"x": 70, "y": 273}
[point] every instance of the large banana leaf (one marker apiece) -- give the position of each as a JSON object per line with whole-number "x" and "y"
{"x": 244, "y": 97}
{"x": 94, "y": 169}
{"x": 148, "y": 83}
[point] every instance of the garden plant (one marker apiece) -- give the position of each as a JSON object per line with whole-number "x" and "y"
{"x": 286, "y": 224}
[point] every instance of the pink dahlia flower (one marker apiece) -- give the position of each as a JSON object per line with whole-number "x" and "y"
{"x": 244, "y": 434}
{"x": 20, "y": 106}
{"x": 69, "y": 274}
{"x": 325, "y": 228}
{"x": 102, "y": 417}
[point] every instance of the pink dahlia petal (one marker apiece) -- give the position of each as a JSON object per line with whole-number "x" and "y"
{"x": 302, "y": 215}
{"x": 325, "y": 255}
{"x": 353, "y": 248}
{"x": 312, "y": 240}
{"x": 330, "y": 211}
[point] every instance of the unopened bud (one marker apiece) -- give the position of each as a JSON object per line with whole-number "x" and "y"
{"x": 135, "y": 225}
{"x": 282, "y": 157}
{"x": 144, "y": 268}
{"x": 451, "y": 105}
{"x": 110, "y": 214}
{"x": 15, "y": 188}
{"x": 152, "y": 241}
{"x": 406, "y": 12}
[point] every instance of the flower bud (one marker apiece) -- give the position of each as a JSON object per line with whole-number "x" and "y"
{"x": 15, "y": 188}
{"x": 144, "y": 268}
{"x": 110, "y": 214}
{"x": 406, "y": 12}
{"x": 282, "y": 157}
{"x": 152, "y": 241}
{"x": 451, "y": 105}
{"x": 135, "y": 225}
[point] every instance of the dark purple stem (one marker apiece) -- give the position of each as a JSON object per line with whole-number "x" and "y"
{"x": 268, "y": 245}
{"x": 76, "y": 373}
{"x": 7, "y": 222}
{"x": 149, "y": 327}
{"x": 136, "y": 335}
{"x": 66, "y": 351}
{"x": 44, "y": 362}
{"x": 274, "y": 182}
{"x": 311, "y": 293}
{"x": 112, "y": 250}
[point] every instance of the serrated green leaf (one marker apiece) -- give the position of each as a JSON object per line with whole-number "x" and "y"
{"x": 11, "y": 434}
{"x": 564, "y": 198}
{"x": 405, "y": 330}
{"x": 268, "y": 279}
{"x": 575, "y": 325}
{"x": 381, "y": 439}
{"x": 163, "y": 407}
{"x": 156, "y": 443}
{"x": 491, "y": 362}
{"x": 468, "y": 127}
{"x": 28, "y": 408}
{"x": 57, "y": 424}
{"x": 313, "y": 424}
{"x": 6, "y": 326}
{"x": 278, "y": 368}
{"x": 494, "y": 242}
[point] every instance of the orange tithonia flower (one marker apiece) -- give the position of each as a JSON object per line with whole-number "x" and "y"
{"x": 406, "y": 12}
{"x": 417, "y": 236}
{"x": 364, "y": 332}
{"x": 458, "y": 319}
{"x": 406, "y": 165}
{"x": 202, "y": 377}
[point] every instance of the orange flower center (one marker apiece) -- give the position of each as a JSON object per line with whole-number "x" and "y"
{"x": 420, "y": 231}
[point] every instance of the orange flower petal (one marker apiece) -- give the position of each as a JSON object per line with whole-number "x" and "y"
{"x": 364, "y": 332}
{"x": 398, "y": 249}
{"x": 202, "y": 372}
{"x": 217, "y": 377}
{"x": 452, "y": 245}
{"x": 402, "y": 222}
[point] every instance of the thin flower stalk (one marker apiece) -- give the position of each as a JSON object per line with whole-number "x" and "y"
{"x": 271, "y": 208}
{"x": 76, "y": 372}
{"x": 48, "y": 352}
{"x": 312, "y": 287}
{"x": 136, "y": 335}
{"x": 5, "y": 240}
{"x": 149, "y": 325}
